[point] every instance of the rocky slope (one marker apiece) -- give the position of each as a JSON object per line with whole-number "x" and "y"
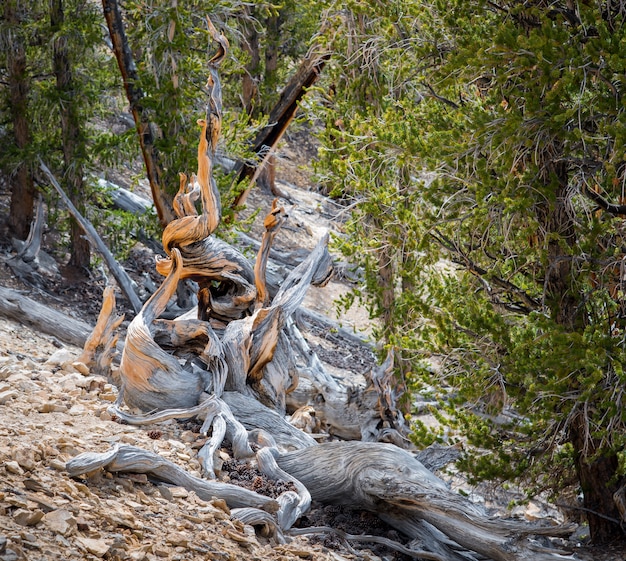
{"x": 53, "y": 409}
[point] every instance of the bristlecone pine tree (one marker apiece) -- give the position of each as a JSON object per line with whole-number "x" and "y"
{"x": 235, "y": 363}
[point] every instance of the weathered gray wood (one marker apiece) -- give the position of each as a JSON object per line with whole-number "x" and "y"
{"x": 248, "y": 328}
{"x": 124, "y": 281}
{"x": 416, "y": 554}
{"x": 153, "y": 379}
{"x": 206, "y": 454}
{"x": 254, "y": 415}
{"x": 292, "y": 505}
{"x": 389, "y": 481}
{"x": 125, "y": 458}
{"x": 18, "y": 307}
{"x": 101, "y": 347}
{"x": 259, "y": 518}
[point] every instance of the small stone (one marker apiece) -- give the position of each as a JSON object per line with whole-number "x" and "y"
{"x": 188, "y": 436}
{"x": 178, "y": 539}
{"x": 26, "y": 459}
{"x": 179, "y": 492}
{"x": 77, "y": 409}
{"x": 6, "y": 370}
{"x": 28, "y": 517}
{"x": 160, "y": 551}
{"x": 13, "y": 467}
{"x": 136, "y": 478}
{"x": 221, "y": 505}
{"x": 56, "y": 464}
{"x": 105, "y": 415}
{"x": 137, "y": 555}
{"x": 7, "y": 395}
{"x": 22, "y": 381}
{"x": 52, "y": 407}
{"x": 60, "y": 357}
{"x": 96, "y": 547}
{"x": 82, "y": 368}
{"x": 165, "y": 492}
{"x": 61, "y": 521}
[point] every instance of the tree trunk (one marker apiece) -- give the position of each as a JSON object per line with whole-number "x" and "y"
{"x": 273, "y": 42}
{"x": 252, "y": 70}
{"x": 281, "y": 115}
{"x": 599, "y": 482}
{"x": 71, "y": 134}
{"x": 597, "y": 476}
{"x": 22, "y": 187}
{"x": 16, "y": 306}
{"x": 122, "y": 278}
{"x": 126, "y": 63}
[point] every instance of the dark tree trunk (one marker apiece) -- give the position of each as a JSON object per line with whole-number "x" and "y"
{"x": 126, "y": 63}
{"x": 72, "y": 136}
{"x": 599, "y": 482}
{"x": 272, "y": 48}
{"x": 597, "y": 476}
{"x": 22, "y": 187}
{"x": 281, "y": 115}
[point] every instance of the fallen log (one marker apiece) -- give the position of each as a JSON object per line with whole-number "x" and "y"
{"x": 18, "y": 307}
{"x": 124, "y": 281}
{"x": 389, "y": 481}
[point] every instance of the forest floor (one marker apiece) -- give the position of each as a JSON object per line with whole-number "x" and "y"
{"x": 52, "y": 409}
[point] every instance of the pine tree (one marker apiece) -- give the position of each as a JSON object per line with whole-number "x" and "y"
{"x": 484, "y": 160}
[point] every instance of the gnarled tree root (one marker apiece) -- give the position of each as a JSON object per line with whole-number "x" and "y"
{"x": 125, "y": 458}
{"x": 389, "y": 481}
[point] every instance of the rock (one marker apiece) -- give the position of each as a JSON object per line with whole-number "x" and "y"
{"x": 81, "y": 367}
{"x": 77, "y": 409}
{"x": 13, "y": 467}
{"x": 179, "y": 492}
{"x": 57, "y": 465}
{"x": 28, "y": 517}
{"x": 94, "y": 546}
{"x": 51, "y": 407}
{"x": 61, "y": 521}
{"x": 61, "y": 357}
{"x": 121, "y": 517}
{"x": 165, "y": 492}
{"x": 138, "y": 555}
{"x": 7, "y": 395}
{"x": 25, "y": 458}
{"x": 6, "y": 370}
{"x": 188, "y": 436}
{"x": 178, "y": 539}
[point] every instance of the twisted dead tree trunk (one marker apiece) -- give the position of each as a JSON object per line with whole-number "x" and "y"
{"x": 237, "y": 365}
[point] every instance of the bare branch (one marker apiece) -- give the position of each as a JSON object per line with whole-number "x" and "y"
{"x": 611, "y": 208}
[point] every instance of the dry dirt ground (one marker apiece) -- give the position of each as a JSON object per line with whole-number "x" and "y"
{"x": 52, "y": 409}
